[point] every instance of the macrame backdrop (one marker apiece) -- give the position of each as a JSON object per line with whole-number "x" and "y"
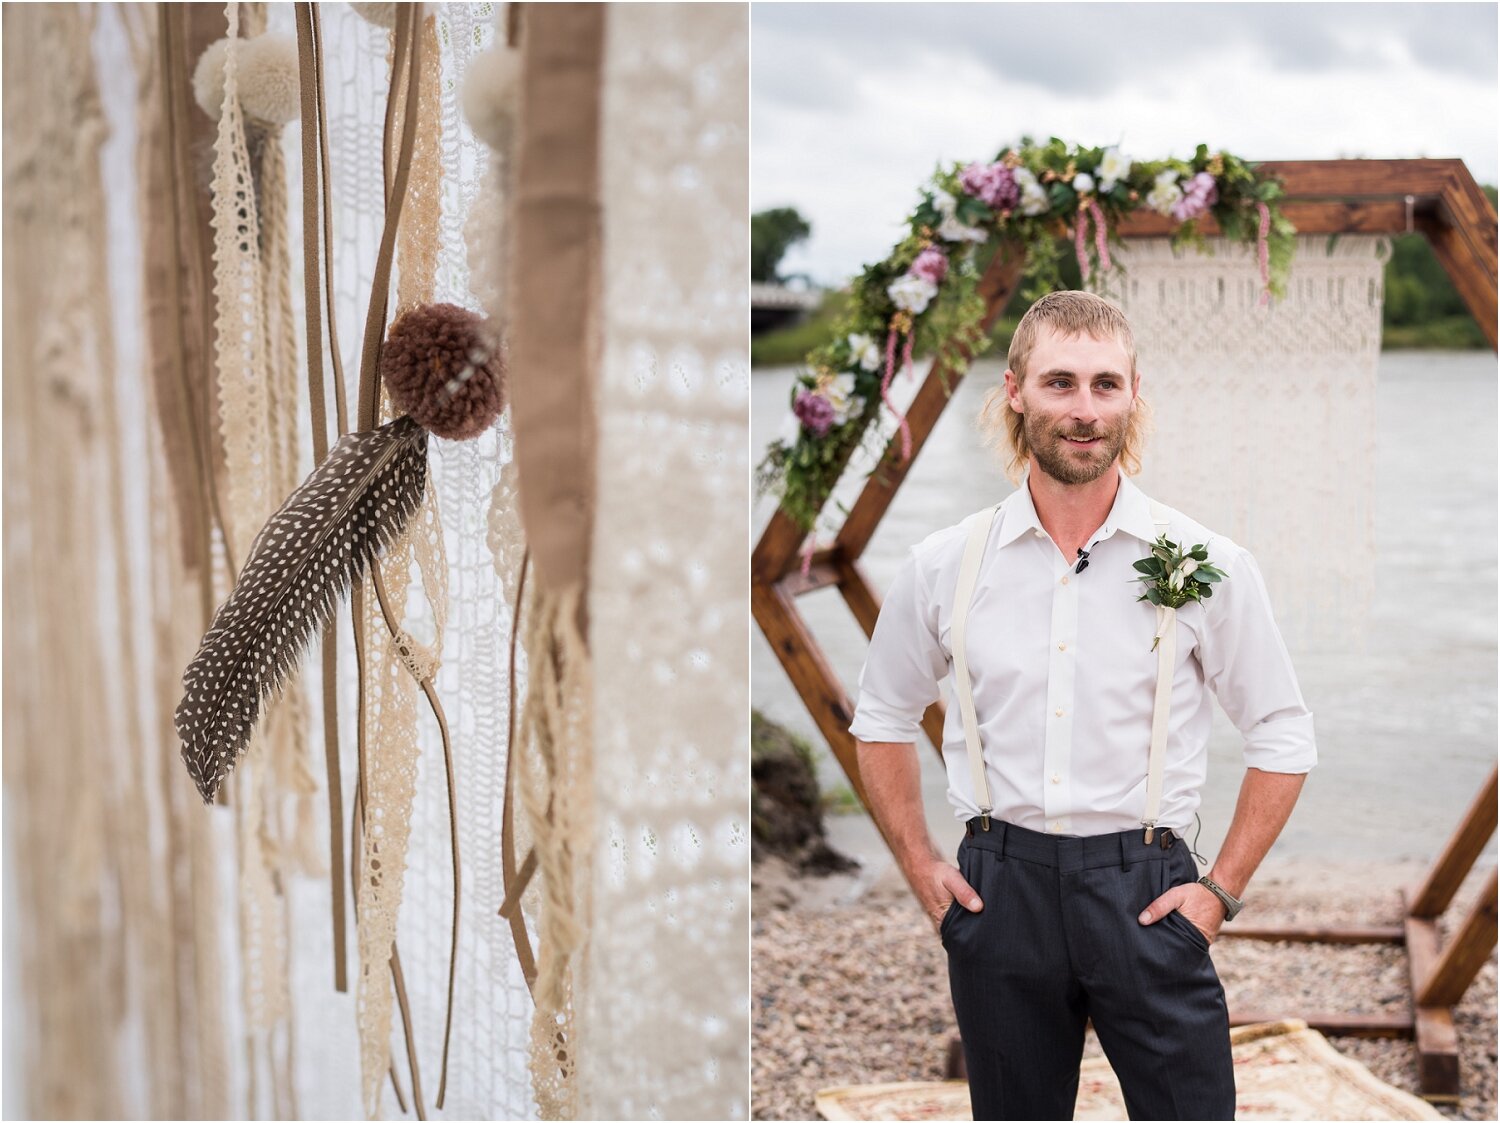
{"x": 1262, "y": 410}
{"x": 170, "y": 960}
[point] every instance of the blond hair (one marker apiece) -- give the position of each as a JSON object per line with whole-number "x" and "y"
{"x": 1069, "y": 313}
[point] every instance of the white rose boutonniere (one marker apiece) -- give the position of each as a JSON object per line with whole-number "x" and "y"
{"x": 1174, "y": 577}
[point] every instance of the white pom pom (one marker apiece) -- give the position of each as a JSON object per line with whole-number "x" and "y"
{"x": 381, "y": 15}
{"x": 269, "y": 79}
{"x": 491, "y": 89}
{"x": 208, "y": 78}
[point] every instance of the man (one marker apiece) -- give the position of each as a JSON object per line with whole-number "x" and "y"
{"x": 1075, "y": 896}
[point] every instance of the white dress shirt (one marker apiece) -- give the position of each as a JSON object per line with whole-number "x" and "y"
{"x": 1064, "y": 676}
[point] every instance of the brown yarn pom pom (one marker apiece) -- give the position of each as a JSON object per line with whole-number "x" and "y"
{"x": 442, "y": 367}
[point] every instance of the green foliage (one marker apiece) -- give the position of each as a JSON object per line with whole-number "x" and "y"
{"x": 772, "y": 233}
{"x": 1164, "y": 573}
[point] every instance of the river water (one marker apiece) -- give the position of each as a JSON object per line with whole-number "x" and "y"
{"x": 1406, "y": 726}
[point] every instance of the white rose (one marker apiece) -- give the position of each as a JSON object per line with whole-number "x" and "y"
{"x": 839, "y": 390}
{"x": 1166, "y": 194}
{"x": 950, "y": 229}
{"x": 864, "y": 351}
{"x": 1033, "y": 197}
{"x": 912, "y": 293}
{"x": 1083, "y": 183}
{"x": 1188, "y": 565}
{"x": 1114, "y": 167}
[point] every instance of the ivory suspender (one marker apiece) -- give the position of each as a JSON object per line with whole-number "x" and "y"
{"x": 1166, "y": 658}
{"x": 968, "y": 573}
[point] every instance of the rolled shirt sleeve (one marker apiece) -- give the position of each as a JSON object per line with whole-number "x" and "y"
{"x": 904, "y": 665}
{"x": 1246, "y": 664}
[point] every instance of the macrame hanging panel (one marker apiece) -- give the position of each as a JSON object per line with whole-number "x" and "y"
{"x": 1264, "y": 412}
{"x": 488, "y": 1075}
{"x": 664, "y": 1010}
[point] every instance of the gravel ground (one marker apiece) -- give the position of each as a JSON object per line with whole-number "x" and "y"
{"x": 857, "y": 993}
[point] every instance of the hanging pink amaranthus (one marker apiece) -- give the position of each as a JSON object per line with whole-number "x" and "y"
{"x": 885, "y": 386}
{"x": 1101, "y": 235}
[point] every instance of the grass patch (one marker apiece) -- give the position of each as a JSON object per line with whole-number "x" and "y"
{"x": 841, "y": 800}
{"x": 768, "y": 738}
{"x": 1448, "y": 333}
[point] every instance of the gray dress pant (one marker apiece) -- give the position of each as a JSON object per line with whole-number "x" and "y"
{"x": 1058, "y": 944}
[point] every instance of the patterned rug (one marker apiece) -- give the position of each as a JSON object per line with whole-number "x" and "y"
{"x": 1282, "y": 1070}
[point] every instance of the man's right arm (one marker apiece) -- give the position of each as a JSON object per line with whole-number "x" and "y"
{"x": 891, "y": 777}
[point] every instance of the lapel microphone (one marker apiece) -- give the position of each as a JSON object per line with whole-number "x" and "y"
{"x": 1083, "y": 561}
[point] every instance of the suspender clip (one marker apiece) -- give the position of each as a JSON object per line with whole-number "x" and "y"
{"x": 984, "y": 819}
{"x": 1150, "y": 829}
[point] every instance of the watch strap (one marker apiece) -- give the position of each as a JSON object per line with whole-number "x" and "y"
{"x": 1232, "y": 904}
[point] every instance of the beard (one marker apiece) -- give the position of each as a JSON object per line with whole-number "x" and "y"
{"x": 1067, "y": 463}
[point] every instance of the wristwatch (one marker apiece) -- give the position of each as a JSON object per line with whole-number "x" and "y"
{"x": 1231, "y": 905}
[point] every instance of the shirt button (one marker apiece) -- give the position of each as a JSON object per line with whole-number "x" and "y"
{"x": 1058, "y": 712}
{"x": 1062, "y": 647}
{"x": 1056, "y": 779}
{"x": 1065, "y": 581}
{"x": 1054, "y": 826}
{"x": 1041, "y": 534}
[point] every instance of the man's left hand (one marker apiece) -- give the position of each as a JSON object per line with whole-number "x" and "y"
{"x": 1195, "y": 902}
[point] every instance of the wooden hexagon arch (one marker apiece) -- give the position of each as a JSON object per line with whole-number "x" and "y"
{"x": 1440, "y": 199}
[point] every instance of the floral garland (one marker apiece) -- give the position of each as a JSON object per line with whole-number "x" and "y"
{"x": 925, "y": 293}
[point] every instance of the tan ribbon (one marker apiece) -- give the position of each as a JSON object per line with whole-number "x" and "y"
{"x": 554, "y": 289}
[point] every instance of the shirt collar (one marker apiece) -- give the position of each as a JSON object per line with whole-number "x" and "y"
{"x": 1131, "y": 513}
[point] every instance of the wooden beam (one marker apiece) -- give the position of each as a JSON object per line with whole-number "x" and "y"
{"x": 1465, "y": 845}
{"x": 1465, "y": 954}
{"x": 1337, "y": 1025}
{"x": 807, "y": 667}
{"x": 999, "y": 283}
{"x": 1354, "y": 179}
{"x": 1393, "y": 934}
{"x": 864, "y": 603}
{"x": 820, "y": 575}
{"x": 1455, "y": 254}
{"x": 1437, "y": 1040}
{"x": 1471, "y": 211}
{"x": 1375, "y": 216}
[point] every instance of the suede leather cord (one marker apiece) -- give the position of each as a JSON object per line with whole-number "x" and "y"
{"x": 510, "y": 878}
{"x": 312, "y": 171}
{"x": 407, "y": 61}
{"x": 555, "y": 290}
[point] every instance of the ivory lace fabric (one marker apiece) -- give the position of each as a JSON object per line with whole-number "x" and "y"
{"x": 1261, "y": 412}
{"x": 663, "y": 1013}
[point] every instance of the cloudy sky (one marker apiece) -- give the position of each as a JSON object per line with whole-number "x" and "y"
{"x": 854, "y": 104}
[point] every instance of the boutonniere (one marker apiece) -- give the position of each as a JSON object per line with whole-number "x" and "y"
{"x": 1174, "y": 577}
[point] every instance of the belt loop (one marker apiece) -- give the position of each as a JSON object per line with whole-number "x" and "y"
{"x": 1001, "y": 827}
{"x": 1124, "y": 841}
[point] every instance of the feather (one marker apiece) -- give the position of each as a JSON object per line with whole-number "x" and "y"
{"x": 306, "y": 557}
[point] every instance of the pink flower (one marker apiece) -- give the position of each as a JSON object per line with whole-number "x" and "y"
{"x": 994, "y": 184}
{"x": 814, "y": 411}
{"x": 931, "y": 265}
{"x": 1198, "y": 194}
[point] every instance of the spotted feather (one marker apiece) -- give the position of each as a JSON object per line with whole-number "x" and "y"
{"x": 307, "y": 556}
